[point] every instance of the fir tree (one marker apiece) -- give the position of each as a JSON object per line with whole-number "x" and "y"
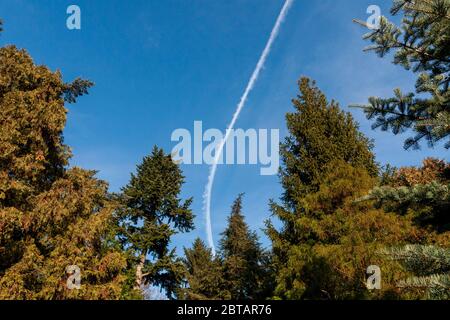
{"x": 203, "y": 274}
{"x": 319, "y": 133}
{"x": 151, "y": 214}
{"x": 244, "y": 262}
{"x": 431, "y": 268}
{"x": 421, "y": 44}
{"x": 327, "y": 241}
{"x": 51, "y": 217}
{"x": 423, "y": 194}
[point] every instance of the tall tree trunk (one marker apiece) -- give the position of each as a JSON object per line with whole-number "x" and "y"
{"x": 139, "y": 274}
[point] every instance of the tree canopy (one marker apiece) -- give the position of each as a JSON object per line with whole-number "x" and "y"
{"x": 151, "y": 213}
{"x": 51, "y": 216}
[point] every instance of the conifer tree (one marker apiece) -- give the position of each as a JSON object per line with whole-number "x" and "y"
{"x": 319, "y": 133}
{"x": 203, "y": 274}
{"x": 51, "y": 217}
{"x": 422, "y": 45}
{"x": 430, "y": 266}
{"x": 244, "y": 262}
{"x": 422, "y": 193}
{"x": 327, "y": 241}
{"x": 152, "y": 212}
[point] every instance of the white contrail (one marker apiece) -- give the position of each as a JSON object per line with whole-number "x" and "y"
{"x": 250, "y": 85}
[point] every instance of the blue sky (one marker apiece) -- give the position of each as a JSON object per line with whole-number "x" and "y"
{"x": 160, "y": 65}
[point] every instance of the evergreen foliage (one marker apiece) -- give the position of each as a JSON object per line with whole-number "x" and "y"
{"x": 431, "y": 267}
{"x": 244, "y": 261}
{"x": 151, "y": 214}
{"x": 51, "y": 217}
{"x": 422, "y": 45}
{"x": 339, "y": 213}
{"x": 241, "y": 271}
{"x": 204, "y": 276}
{"x": 327, "y": 240}
{"x": 422, "y": 192}
{"x": 319, "y": 133}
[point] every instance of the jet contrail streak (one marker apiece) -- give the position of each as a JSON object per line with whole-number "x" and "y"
{"x": 250, "y": 85}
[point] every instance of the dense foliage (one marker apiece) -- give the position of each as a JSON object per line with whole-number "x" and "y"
{"x": 51, "y": 217}
{"x": 328, "y": 238}
{"x": 421, "y": 44}
{"x": 204, "y": 276}
{"x": 339, "y": 212}
{"x": 241, "y": 271}
{"x": 150, "y": 214}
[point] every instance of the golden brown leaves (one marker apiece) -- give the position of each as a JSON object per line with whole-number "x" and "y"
{"x": 431, "y": 170}
{"x": 50, "y": 217}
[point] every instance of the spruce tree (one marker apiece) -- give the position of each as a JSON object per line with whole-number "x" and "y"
{"x": 422, "y": 45}
{"x": 327, "y": 241}
{"x": 51, "y": 217}
{"x": 423, "y": 194}
{"x": 319, "y": 133}
{"x": 430, "y": 266}
{"x": 244, "y": 262}
{"x": 204, "y": 276}
{"x": 152, "y": 212}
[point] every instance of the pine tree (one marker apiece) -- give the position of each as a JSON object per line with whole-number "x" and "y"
{"x": 421, "y": 44}
{"x": 245, "y": 268}
{"x": 327, "y": 241}
{"x": 51, "y": 217}
{"x": 151, "y": 214}
{"x": 203, "y": 274}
